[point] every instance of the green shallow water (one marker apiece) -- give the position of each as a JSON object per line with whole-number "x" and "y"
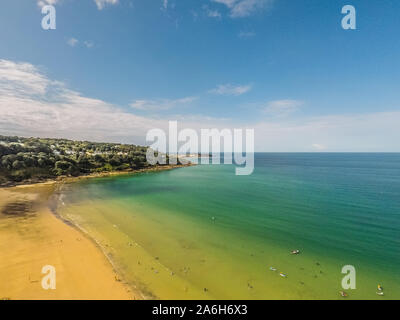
{"x": 202, "y": 232}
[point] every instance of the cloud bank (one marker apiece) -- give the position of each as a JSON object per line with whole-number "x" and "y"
{"x": 31, "y": 104}
{"x": 231, "y": 90}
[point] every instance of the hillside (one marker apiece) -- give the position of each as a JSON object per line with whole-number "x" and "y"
{"x": 38, "y": 159}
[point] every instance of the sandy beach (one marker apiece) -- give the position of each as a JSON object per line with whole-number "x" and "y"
{"x": 31, "y": 237}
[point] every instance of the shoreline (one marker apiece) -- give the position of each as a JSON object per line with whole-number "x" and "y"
{"x": 63, "y": 179}
{"x": 118, "y": 276}
{"x": 107, "y": 280}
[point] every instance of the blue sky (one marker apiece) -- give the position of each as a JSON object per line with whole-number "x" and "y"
{"x": 283, "y": 67}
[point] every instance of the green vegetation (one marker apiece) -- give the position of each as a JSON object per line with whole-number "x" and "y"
{"x": 37, "y": 159}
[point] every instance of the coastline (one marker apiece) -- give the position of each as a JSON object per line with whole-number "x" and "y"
{"x": 32, "y": 235}
{"x": 63, "y": 179}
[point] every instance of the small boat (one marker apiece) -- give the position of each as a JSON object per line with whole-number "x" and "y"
{"x": 343, "y": 294}
{"x": 283, "y": 275}
{"x": 272, "y": 269}
{"x": 295, "y": 252}
{"x": 380, "y": 293}
{"x": 380, "y": 287}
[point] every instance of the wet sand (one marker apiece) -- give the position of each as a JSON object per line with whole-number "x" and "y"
{"x": 31, "y": 237}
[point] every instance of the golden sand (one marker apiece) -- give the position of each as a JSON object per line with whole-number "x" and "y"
{"x": 31, "y": 237}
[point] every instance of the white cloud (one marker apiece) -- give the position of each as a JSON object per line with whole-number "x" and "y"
{"x": 213, "y": 14}
{"x": 243, "y": 34}
{"x": 244, "y": 8}
{"x": 18, "y": 78}
{"x": 165, "y": 4}
{"x": 88, "y": 44}
{"x": 228, "y": 3}
{"x": 102, "y": 3}
{"x": 42, "y": 3}
{"x": 230, "y": 90}
{"x": 72, "y": 42}
{"x": 282, "y": 108}
{"x": 31, "y": 104}
{"x": 160, "y": 104}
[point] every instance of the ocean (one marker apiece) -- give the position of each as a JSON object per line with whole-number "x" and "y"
{"x": 202, "y": 232}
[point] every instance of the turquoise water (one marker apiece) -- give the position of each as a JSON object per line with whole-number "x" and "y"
{"x": 203, "y": 232}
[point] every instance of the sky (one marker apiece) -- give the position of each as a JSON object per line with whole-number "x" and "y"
{"x": 114, "y": 69}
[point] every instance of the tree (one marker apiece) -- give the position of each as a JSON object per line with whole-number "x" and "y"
{"x": 63, "y": 165}
{"x": 17, "y": 164}
{"x": 99, "y": 158}
{"x": 28, "y": 160}
{"x": 22, "y": 158}
{"x": 115, "y": 160}
{"x": 42, "y": 162}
